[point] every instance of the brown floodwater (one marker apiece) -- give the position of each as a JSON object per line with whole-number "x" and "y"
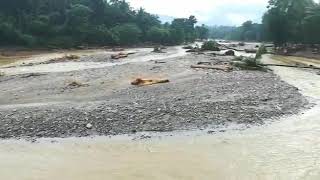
{"x": 288, "y": 148}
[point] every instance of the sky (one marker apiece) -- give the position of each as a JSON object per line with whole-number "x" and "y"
{"x": 210, "y": 12}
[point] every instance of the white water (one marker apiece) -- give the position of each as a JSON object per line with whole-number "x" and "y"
{"x": 288, "y": 148}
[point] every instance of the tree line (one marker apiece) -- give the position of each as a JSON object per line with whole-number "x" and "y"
{"x": 248, "y": 31}
{"x": 71, "y": 23}
{"x": 286, "y": 21}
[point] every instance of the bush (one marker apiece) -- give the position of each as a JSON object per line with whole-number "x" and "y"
{"x": 210, "y": 46}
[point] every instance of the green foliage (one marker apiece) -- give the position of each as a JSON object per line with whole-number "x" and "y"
{"x": 210, "y": 46}
{"x": 127, "y": 33}
{"x": 288, "y": 21}
{"x": 248, "y": 31}
{"x": 159, "y": 35}
{"x": 72, "y": 23}
{"x": 247, "y": 63}
{"x": 311, "y": 24}
{"x": 202, "y": 32}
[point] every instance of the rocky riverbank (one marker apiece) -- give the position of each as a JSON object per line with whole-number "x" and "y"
{"x": 105, "y": 103}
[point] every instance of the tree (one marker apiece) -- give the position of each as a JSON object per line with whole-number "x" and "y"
{"x": 127, "y": 33}
{"x": 284, "y": 20}
{"x": 202, "y": 32}
{"x": 311, "y": 24}
{"x": 69, "y": 23}
{"x": 158, "y": 35}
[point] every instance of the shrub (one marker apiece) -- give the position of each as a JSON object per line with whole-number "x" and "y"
{"x": 210, "y": 46}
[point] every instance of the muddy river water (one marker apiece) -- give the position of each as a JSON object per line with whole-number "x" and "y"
{"x": 288, "y": 148}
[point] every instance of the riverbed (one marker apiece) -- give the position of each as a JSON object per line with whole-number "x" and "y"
{"x": 287, "y": 148}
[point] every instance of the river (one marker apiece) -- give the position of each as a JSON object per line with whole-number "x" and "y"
{"x": 288, "y": 148}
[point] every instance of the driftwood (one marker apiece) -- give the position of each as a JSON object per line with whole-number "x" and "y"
{"x": 216, "y": 67}
{"x": 235, "y": 49}
{"x": 294, "y": 66}
{"x": 145, "y": 82}
{"x": 206, "y": 63}
{"x": 121, "y": 55}
{"x": 159, "y": 62}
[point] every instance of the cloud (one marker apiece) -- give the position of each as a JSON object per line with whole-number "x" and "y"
{"x": 220, "y": 12}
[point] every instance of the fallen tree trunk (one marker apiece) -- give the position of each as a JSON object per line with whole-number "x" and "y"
{"x": 146, "y": 82}
{"x": 216, "y": 67}
{"x": 294, "y": 66}
{"x": 225, "y": 46}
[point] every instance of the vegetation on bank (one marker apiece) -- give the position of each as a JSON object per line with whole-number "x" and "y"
{"x": 70, "y": 23}
{"x": 286, "y": 21}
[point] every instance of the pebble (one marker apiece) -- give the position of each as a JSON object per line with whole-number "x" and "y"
{"x": 89, "y": 126}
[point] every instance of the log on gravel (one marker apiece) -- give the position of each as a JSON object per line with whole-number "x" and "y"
{"x": 146, "y": 82}
{"x": 225, "y": 68}
{"x": 294, "y": 66}
{"x": 119, "y": 55}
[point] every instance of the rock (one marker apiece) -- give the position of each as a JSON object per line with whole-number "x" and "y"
{"x": 229, "y": 53}
{"x": 89, "y": 126}
{"x": 187, "y": 47}
{"x": 193, "y": 50}
{"x": 251, "y": 50}
{"x": 158, "y": 50}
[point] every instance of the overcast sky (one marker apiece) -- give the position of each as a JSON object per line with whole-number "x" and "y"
{"x": 210, "y": 12}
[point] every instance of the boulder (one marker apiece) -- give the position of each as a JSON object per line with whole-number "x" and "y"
{"x": 229, "y": 53}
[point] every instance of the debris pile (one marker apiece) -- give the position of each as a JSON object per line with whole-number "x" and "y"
{"x": 210, "y": 46}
